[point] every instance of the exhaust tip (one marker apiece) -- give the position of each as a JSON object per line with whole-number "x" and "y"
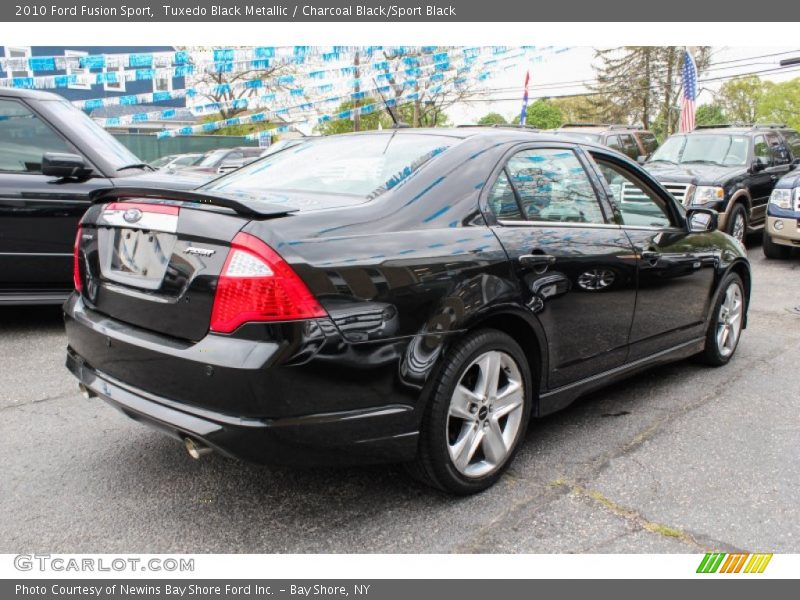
{"x": 195, "y": 449}
{"x": 86, "y": 392}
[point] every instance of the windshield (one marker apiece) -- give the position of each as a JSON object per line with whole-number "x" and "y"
{"x": 580, "y": 136}
{"x": 101, "y": 141}
{"x": 358, "y": 165}
{"x": 212, "y": 158}
{"x": 718, "y": 149}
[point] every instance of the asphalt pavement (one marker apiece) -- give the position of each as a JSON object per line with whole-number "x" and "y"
{"x": 681, "y": 459}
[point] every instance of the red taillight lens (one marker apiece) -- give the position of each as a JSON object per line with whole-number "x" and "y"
{"x": 76, "y": 262}
{"x": 256, "y": 284}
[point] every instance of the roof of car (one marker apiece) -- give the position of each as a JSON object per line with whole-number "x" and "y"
{"x": 599, "y": 128}
{"x": 29, "y": 94}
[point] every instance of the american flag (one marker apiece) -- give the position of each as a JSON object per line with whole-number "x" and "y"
{"x": 524, "y": 113}
{"x": 689, "y": 97}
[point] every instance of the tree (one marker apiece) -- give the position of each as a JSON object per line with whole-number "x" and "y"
{"x": 740, "y": 98}
{"x": 492, "y": 118}
{"x": 581, "y": 109}
{"x": 780, "y": 103}
{"x": 366, "y": 122}
{"x": 542, "y": 114}
{"x": 643, "y": 83}
{"x": 710, "y": 114}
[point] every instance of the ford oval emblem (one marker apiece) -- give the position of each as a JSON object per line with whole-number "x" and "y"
{"x": 132, "y": 215}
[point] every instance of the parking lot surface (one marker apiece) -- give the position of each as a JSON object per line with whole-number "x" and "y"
{"x": 680, "y": 459}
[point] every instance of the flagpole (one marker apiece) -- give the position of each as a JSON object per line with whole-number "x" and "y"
{"x": 523, "y": 115}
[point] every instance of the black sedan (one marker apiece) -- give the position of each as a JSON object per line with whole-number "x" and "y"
{"x": 411, "y": 296}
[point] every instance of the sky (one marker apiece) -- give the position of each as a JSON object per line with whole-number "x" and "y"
{"x": 575, "y": 65}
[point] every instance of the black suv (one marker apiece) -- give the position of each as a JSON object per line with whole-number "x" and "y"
{"x": 52, "y": 156}
{"x": 635, "y": 142}
{"x": 731, "y": 169}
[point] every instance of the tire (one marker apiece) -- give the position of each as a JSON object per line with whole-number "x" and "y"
{"x": 773, "y": 250}
{"x": 720, "y": 348}
{"x": 735, "y": 227}
{"x": 465, "y": 442}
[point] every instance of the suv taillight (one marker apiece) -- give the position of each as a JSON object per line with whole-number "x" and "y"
{"x": 256, "y": 284}
{"x": 76, "y": 262}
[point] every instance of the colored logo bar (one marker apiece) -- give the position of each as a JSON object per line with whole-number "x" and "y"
{"x": 720, "y": 562}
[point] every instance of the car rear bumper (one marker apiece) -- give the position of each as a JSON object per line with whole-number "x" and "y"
{"x": 784, "y": 230}
{"x": 292, "y": 416}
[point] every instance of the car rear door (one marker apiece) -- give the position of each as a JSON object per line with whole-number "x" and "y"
{"x": 576, "y": 268}
{"x": 675, "y": 267}
{"x": 38, "y": 214}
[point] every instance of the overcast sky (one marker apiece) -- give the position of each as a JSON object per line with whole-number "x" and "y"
{"x": 576, "y": 65}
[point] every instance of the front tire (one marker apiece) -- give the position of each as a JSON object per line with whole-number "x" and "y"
{"x": 477, "y": 415}
{"x": 737, "y": 223}
{"x": 773, "y": 250}
{"x": 727, "y": 320}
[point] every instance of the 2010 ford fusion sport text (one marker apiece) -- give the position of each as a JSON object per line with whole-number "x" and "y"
{"x": 395, "y": 296}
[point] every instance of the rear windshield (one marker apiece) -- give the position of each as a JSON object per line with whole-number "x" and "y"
{"x": 580, "y": 136}
{"x": 358, "y": 165}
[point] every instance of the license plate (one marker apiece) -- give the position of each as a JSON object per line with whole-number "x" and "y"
{"x": 134, "y": 257}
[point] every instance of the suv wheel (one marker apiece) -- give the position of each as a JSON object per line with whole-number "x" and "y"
{"x": 477, "y": 415}
{"x": 726, "y": 323}
{"x": 773, "y": 250}
{"x": 737, "y": 222}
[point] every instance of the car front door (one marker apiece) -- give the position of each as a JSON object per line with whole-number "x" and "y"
{"x": 675, "y": 267}
{"x": 38, "y": 214}
{"x": 576, "y": 268}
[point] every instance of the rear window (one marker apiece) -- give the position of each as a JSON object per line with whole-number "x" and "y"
{"x": 358, "y": 165}
{"x": 793, "y": 141}
{"x": 649, "y": 142}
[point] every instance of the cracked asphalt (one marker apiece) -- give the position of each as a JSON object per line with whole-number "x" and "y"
{"x": 680, "y": 459}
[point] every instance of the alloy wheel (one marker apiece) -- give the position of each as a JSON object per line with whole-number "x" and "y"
{"x": 729, "y": 321}
{"x": 485, "y": 414}
{"x": 738, "y": 228}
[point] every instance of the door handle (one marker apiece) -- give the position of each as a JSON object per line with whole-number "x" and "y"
{"x": 650, "y": 256}
{"x": 536, "y": 260}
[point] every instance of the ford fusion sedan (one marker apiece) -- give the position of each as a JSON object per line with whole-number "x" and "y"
{"x": 411, "y": 296}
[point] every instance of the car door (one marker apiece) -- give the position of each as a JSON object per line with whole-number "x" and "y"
{"x": 761, "y": 180}
{"x": 576, "y": 269}
{"x": 38, "y": 214}
{"x": 675, "y": 267}
{"x": 779, "y": 164}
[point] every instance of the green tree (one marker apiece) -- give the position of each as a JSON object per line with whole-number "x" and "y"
{"x": 581, "y": 109}
{"x": 542, "y": 114}
{"x": 740, "y": 98}
{"x": 423, "y": 114}
{"x": 710, "y": 114}
{"x": 366, "y": 122}
{"x": 492, "y": 118}
{"x": 780, "y": 103}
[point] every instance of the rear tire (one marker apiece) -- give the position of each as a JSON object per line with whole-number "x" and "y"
{"x": 477, "y": 415}
{"x": 727, "y": 319}
{"x": 773, "y": 250}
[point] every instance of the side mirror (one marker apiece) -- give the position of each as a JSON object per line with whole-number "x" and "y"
{"x": 641, "y": 159}
{"x": 757, "y": 166}
{"x": 59, "y": 164}
{"x": 702, "y": 220}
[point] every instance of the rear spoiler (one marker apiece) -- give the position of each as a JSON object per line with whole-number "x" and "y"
{"x": 253, "y": 209}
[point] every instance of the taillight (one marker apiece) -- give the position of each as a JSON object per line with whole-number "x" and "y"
{"x": 256, "y": 284}
{"x": 76, "y": 262}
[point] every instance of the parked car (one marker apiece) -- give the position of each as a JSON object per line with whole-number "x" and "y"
{"x": 731, "y": 169}
{"x": 224, "y": 160}
{"x": 173, "y": 162}
{"x": 782, "y": 232}
{"x": 634, "y": 142}
{"x": 52, "y": 156}
{"x": 403, "y": 295}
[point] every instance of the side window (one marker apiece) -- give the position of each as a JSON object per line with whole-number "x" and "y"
{"x": 24, "y": 138}
{"x": 552, "y": 185}
{"x": 638, "y": 204}
{"x": 502, "y": 200}
{"x": 613, "y": 142}
{"x": 649, "y": 142}
{"x": 793, "y": 141}
{"x": 761, "y": 150}
{"x": 629, "y": 146}
{"x": 780, "y": 153}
